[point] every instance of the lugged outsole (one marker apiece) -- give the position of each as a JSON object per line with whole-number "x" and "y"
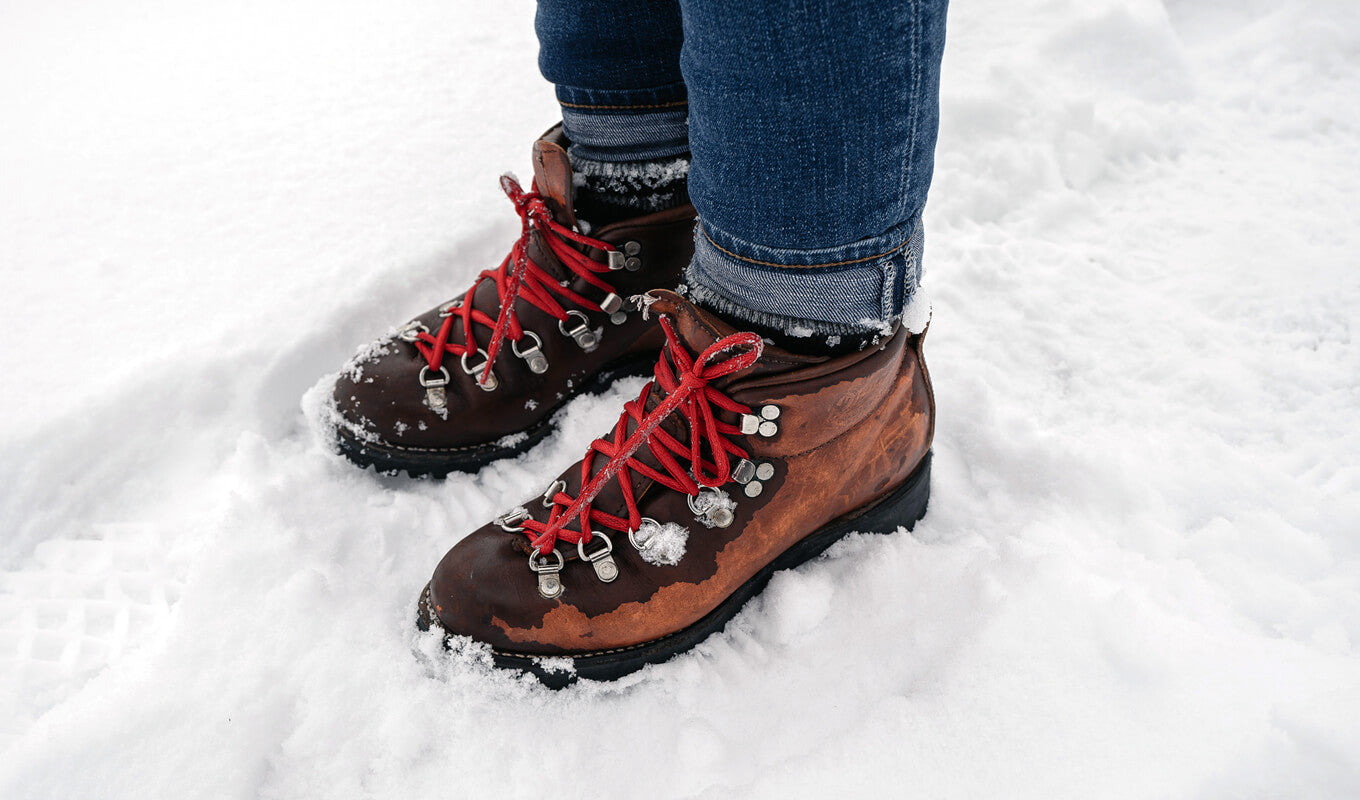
{"x": 439, "y": 463}
{"x": 903, "y": 508}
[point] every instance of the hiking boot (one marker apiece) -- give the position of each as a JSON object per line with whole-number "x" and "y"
{"x": 480, "y": 376}
{"x": 737, "y": 460}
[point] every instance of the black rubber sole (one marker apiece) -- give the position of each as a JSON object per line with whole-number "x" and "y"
{"x": 436, "y": 463}
{"x": 901, "y": 509}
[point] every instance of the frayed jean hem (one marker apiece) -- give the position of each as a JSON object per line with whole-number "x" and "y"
{"x": 855, "y": 288}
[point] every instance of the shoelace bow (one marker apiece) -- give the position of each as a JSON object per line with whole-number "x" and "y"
{"x": 519, "y": 276}
{"x": 687, "y": 392}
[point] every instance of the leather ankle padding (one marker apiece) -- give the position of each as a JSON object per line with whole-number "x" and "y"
{"x": 553, "y": 176}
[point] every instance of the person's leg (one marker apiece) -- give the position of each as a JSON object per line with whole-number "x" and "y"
{"x": 812, "y": 126}
{"x": 813, "y": 130}
{"x": 482, "y": 375}
{"x": 624, "y": 108}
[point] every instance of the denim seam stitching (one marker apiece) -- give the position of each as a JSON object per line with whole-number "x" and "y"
{"x": 672, "y": 104}
{"x": 915, "y": 104}
{"x": 809, "y": 266}
{"x": 886, "y": 297}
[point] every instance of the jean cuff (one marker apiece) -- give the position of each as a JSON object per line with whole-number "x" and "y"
{"x": 626, "y": 124}
{"x": 854, "y": 288}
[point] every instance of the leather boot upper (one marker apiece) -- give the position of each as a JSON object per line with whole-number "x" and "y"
{"x": 379, "y": 397}
{"x": 845, "y": 431}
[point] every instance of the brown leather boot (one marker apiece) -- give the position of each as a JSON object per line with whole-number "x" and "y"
{"x": 732, "y": 464}
{"x": 479, "y": 378}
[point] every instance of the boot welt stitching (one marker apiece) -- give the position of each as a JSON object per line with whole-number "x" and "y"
{"x": 586, "y": 654}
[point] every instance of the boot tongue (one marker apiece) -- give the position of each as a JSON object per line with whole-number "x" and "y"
{"x": 552, "y": 175}
{"x": 698, "y": 328}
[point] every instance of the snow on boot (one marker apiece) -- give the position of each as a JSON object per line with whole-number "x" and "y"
{"x": 479, "y": 377}
{"x": 737, "y": 460}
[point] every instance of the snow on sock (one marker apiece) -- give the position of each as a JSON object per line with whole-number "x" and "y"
{"x": 609, "y": 191}
{"x": 810, "y": 342}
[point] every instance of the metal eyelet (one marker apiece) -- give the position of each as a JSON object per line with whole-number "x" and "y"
{"x": 764, "y": 424}
{"x": 631, "y": 249}
{"x": 750, "y": 475}
{"x": 584, "y": 336}
{"x": 533, "y": 356}
{"x": 626, "y": 257}
{"x": 436, "y": 396}
{"x": 605, "y": 567}
{"x": 616, "y": 307}
{"x": 492, "y": 383}
{"x": 549, "y": 580}
{"x": 448, "y": 308}
{"x": 411, "y": 331}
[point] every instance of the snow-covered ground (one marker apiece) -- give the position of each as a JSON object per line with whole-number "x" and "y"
{"x": 1140, "y": 576}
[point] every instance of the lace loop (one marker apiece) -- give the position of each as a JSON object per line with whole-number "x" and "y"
{"x": 683, "y": 466}
{"x": 519, "y": 276}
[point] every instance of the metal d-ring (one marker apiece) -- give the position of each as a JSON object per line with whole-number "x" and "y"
{"x": 491, "y": 381}
{"x": 713, "y": 514}
{"x": 633, "y": 532}
{"x": 584, "y": 336}
{"x": 436, "y": 396}
{"x": 448, "y": 308}
{"x": 537, "y": 566}
{"x": 533, "y": 355}
{"x": 701, "y": 509}
{"x": 549, "y": 579}
{"x": 605, "y": 568}
{"x": 442, "y": 380}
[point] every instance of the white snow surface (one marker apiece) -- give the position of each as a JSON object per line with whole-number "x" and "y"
{"x": 1139, "y": 576}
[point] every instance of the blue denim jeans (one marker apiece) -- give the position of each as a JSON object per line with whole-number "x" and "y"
{"x": 812, "y": 129}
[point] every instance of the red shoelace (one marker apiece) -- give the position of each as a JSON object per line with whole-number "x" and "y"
{"x": 519, "y": 276}
{"x": 686, "y": 470}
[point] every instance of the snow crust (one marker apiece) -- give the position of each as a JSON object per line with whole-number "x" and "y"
{"x": 1139, "y": 577}
{"x": 664, "y": 544}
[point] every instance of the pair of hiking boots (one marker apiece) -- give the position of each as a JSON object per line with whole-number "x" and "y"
{"x": 738, "y": 458}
